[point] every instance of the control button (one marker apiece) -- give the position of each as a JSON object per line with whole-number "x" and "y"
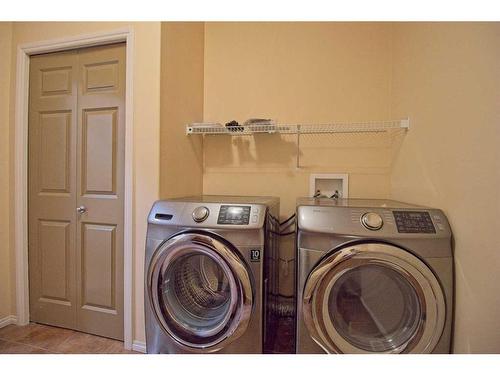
{"x": 255, "y": 219}
{"x": 200, "y": 214}
{"x": 440, "y": 226}
{"x": 372, "y": 221}
{"x": 256, "y": 210}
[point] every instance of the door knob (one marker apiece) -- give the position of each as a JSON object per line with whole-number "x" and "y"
{"x": 81, "y": 209}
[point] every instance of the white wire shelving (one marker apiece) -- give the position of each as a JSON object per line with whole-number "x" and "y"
{"x": 299, "y": 129}
{"x": 341, "y": 127}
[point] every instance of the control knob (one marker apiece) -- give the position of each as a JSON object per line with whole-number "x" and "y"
{"x": 372, "y": 221}
{"x": 200, "y": 214}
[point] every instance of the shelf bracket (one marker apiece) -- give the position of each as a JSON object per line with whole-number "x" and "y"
{"x": 405, "y": 123}
{"x": 298, "y": 147}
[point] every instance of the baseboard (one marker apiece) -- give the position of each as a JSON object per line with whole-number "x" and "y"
{"x": 10, "y": 319}
{"x": 139, "y": 346}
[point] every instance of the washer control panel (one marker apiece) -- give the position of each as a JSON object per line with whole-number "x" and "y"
{"x": 372, "y": 221}
{"x": 234, "y": 215}
{"x": 414, "y": 222}
{"x": 200, "y": 214}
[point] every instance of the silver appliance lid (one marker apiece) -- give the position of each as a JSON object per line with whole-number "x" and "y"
{"x": 212, "y": 212}
{"x": 355, "y": 202}
{"x": 373, "y": 218}
{"x": 223, "y": 199}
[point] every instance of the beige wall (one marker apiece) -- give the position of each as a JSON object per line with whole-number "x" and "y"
{"x": 182, "y": 46}
{"x": 447, "y": 79}
{"x": 297, "y": 73}
{"x": 444, "y": 76}
{"x": 5, "y": 259}
{"x": 146, "y": 116}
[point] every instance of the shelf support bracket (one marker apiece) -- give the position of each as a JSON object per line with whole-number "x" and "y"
{"x": 203, "y": 154}
{"x": 298, "y": 147}
{"x": 405, "y": 123}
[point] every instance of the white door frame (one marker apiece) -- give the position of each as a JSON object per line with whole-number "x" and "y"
{"x": 24, "y": 51}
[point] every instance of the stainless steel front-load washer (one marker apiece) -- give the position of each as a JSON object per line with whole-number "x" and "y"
{"x": 374, "y": 276}
{"x": 208, "y": 274}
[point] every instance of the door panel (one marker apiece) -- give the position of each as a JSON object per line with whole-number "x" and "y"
{"x": 57, "y": 80}
{"x": 76, "y": 158}
{"x": 102, "y": 76}
{"x": 54, "y": 143}
{"x": 52, "y": 188}
{"x": 99, "y": 151}
{"x": 54, "y": 253}
{"x": 100, "y": 189}
{"x": 98, "y": 268}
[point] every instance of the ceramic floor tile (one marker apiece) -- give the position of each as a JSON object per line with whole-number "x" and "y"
{"x": 9, "y": 347}
{"x": 46, "y": 337}
{"x": 82, "y": 343}
{"x": 14, "y": 333}
{"x": 39, "y": 338}
{"x": 117, "y": 348}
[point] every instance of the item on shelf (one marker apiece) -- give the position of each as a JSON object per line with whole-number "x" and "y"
{"x": 234, "y": 126}
{"x": 259, "y": 121}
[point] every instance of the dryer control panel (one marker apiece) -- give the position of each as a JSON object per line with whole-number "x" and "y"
{"x": 414, "y": 222}
{"x": 375, "y": 222}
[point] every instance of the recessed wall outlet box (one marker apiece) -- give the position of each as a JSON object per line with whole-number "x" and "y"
{"x": 326, "y": 185}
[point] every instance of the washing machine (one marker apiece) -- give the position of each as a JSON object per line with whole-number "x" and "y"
{"x": 373, "y": 276}
{"x": 208, "y": 274}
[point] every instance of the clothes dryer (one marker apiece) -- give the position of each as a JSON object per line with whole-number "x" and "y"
{"x": 373, "y": 276}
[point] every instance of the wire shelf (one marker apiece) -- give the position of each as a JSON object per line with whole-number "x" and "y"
{"x": 352, "y": 127}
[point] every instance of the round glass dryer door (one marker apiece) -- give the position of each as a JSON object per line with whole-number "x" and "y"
{"x": 374, "y": 298}
{"x": 200, "y": 291}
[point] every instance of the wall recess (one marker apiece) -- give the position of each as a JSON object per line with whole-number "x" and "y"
{"x": 329, "y": 185}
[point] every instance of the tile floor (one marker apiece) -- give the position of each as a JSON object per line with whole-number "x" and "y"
{"x": 41, "y": 339}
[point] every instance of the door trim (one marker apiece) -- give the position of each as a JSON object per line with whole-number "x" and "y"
{"x": 24, "y": 51}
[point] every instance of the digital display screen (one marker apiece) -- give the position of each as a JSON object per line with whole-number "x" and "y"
{"x": 235, "y": 215}
{"x": 234, "y": 212}
{"x": 414, "y": 222}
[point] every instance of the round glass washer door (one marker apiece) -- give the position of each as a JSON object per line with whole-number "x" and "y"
{"x": 200, "y": 291}
{"x": 374, "y": 298}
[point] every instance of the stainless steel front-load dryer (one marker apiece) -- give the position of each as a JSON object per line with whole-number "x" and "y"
{"x": 374, "y": 276}
{"x": 207, "y": 274}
